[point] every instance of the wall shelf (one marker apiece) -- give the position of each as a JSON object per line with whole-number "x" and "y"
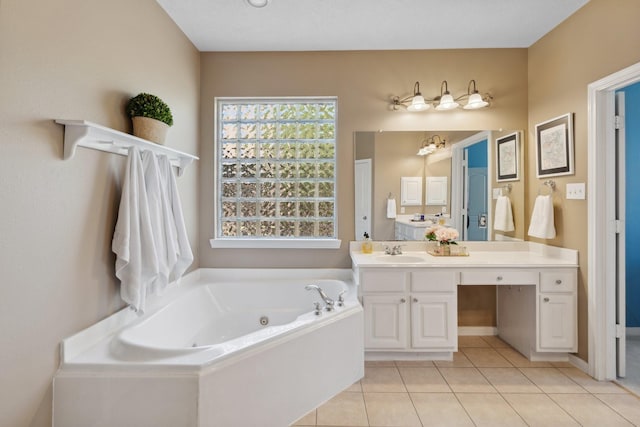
{"x": 81, "y": 133}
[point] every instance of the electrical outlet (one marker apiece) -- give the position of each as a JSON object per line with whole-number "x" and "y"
{"x": 402, "y": 210}
{"x": 576, "y": 191}
{"x": 496, "y": 193}
{"x": 444, "y": 210}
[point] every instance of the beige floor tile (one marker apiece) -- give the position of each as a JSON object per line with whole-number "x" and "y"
{"x": 415, "y": 363}
{"x": 440, "y": 409}
{"x": 509, "y": 380}
{"x": 551, "y": 380}
{"x": 346, "y": 409}
{"x": 495, "y": 341}
{"x": 459, "y": 361}
{"x": 471, "y": 341}
{"x": 626, "y": 405}
{"x": 489, "y": 410}
{"x": 561, "y": 365}
{"x": 391, "y": 409}
{"x": 486, "y": 358}
{"x": 423, "y": 380}
{"x": 382, "y": 380}
{"x": 590, "y": 384}
{"x": 379, "y": 364}
{"x": 307, "y": 420}
{"x": 539, "y": 410}
{"x": 466, "y": 380}
{"x": 588, "y": 410}
{"x": 355, "y": 387}
{"x": 518, "y": 360}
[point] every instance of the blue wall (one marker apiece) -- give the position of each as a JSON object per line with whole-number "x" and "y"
{"x": 477, "y": 155}
{"x": 632, "y": 155}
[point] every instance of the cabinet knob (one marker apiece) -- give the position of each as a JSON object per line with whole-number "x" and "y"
{"x": 545, "y": 299}
{"x": 415, "y": 300}
{"x": 499, "y": 278}
{"x": 402, "y": 300}
{"x": 558, "y": 282}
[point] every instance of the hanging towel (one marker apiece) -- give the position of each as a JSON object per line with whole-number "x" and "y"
{"x": 391, "y": 208}
{"x": 503, "y": 220}
{"x": 182, "y": 249}
{"x": 133, "y": 240}
{"x": 161, "y": 221}
{"x": 542, "y": 222}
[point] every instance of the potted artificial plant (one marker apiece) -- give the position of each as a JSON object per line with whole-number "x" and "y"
{"x": 151, "y": 117}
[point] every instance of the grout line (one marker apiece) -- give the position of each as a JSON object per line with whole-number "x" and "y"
{"x": 613, "y": 409}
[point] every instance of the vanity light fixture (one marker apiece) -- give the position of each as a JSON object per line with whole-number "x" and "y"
{"x": 443, "y": 102}
{"x": 429, "y": 145}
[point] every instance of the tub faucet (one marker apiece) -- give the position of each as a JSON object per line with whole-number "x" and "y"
{"x": 328, "y": 301}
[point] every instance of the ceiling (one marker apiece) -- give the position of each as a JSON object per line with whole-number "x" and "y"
{"x": 307, "y": 25}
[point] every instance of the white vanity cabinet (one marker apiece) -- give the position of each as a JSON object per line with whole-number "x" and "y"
{"x": 409, "y": 310}
{"x": 557, "y": 311}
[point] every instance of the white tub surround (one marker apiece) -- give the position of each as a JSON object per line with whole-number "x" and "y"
{"x": 202, "y": 354}
{"x": 410, "y": 300}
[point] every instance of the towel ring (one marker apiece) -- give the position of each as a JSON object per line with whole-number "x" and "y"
{"x": 506, "y": 188}
{"x": 548, "y": 183}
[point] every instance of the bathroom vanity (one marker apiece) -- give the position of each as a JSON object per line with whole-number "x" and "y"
{"x": 410, "y": 300}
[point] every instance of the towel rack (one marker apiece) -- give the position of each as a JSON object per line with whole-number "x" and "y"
{"x": 506, "y": 187}
{"x": 548, "y": 183}
{"x": 81, "y": 133}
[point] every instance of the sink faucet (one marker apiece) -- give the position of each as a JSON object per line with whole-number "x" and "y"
{"x": 328, "y": 301}
{"x": 396, "y": 250}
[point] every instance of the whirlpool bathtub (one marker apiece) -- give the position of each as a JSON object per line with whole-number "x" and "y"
{"x": 224, "y": 348}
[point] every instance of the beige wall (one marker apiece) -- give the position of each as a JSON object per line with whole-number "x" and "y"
{"x": 598, "y": 40}
{"x": 73, "y": 59}
{"x": 364, "y": 83}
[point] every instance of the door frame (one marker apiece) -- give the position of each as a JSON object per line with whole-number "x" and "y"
{"x": 368, "y": 164}
{"x": 601, "y": 221}
{"x": 458, "y": 213}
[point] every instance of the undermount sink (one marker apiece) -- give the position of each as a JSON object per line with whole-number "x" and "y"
{"x": 400, "y": 259}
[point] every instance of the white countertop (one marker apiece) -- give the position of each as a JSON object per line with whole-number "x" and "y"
{"x": 481, "y": 255}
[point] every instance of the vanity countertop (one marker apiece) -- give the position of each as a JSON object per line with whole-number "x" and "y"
{"x": 481, "y": 255}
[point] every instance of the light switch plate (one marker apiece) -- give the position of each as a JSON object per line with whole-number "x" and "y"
{"x": 576, "y": 191}
{"x": 496, "y": 193}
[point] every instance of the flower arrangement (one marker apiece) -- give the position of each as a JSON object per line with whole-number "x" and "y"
{"x": 442, "y": 235}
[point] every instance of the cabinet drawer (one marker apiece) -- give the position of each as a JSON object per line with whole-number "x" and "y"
{"x": 498, "y": 277}
{"x": 383, "y": 280}
{"x": 433, "y": 281}
{"x": 558, "y": 281}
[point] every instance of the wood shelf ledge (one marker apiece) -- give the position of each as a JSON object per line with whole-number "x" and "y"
{"x": 81, "y": 133}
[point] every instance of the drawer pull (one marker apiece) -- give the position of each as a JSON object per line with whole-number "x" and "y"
{"x": 415, "y": 300}
{"x": 546, "y": 299}
{"x": 558, "y": 282}
{"x": 402, "y": 300}
{"x": 499, "y": 278}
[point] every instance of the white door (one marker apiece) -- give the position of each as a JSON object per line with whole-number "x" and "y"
{"x": 557, "y": 322}
{"x": 621, "y": 340}
{"x": 433, "y": 321}
{"x": 363, "y": 198}
{"x": 385, "y": 323}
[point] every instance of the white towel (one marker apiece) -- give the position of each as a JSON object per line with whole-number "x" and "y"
{"x": 133, "y": 241}
{"x": 391, "y": 208}
{"x": 542, "y": 222}
{"x": 503, "y": 220}
{"x": 181, "y": 247}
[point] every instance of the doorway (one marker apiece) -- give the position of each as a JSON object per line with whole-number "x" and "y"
{"x": 606, "y": 234}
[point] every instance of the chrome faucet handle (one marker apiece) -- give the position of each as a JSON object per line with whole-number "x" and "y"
{"x": 317, "y": 310}
{"x": 387, "y": 250}
{"x": 341, "y": 298}
{"x": 329, "y": 305}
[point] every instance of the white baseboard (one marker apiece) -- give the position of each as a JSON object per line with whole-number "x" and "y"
{"x": 634, "y": 332}
{"x": 579, "y": 363}
{"x": 477, "y": 330}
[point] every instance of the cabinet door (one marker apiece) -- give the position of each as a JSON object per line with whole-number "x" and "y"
{"x": 557, "y": 322}
{"x": 434, "y": 321}
{"x": 385, "y": 323}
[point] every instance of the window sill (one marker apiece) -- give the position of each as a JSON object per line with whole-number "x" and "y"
{"x": 275, "y": 243}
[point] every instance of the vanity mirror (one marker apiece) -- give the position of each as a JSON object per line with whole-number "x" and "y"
{"x": 465, "y": 160}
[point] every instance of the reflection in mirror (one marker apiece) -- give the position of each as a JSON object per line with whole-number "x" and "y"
{"x": 463, "y": 164}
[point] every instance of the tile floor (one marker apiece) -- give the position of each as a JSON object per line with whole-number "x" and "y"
{"x": 632, "y": 380}
{"x": 487, "y": 384}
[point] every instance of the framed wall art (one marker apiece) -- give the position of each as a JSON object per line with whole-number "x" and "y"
{"x": 554, "y": 147}
{"x": 507, "y": 155}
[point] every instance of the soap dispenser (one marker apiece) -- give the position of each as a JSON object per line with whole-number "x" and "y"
{"x": 367, "y": 245}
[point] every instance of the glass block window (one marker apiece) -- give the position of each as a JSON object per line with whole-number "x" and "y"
{"x": 276, "y": 168}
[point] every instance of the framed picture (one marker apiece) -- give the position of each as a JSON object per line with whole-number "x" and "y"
{"x": 554, "y": 147}
{"x": 508, "y": 153}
